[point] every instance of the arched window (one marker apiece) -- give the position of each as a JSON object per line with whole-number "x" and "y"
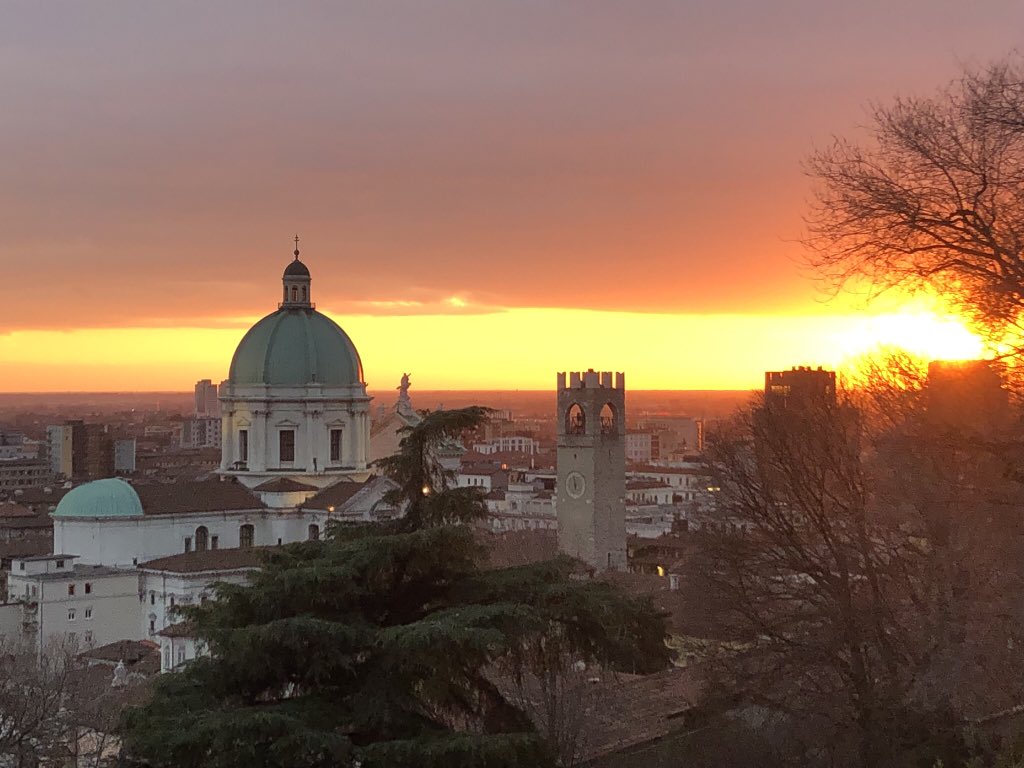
{"x": 202, "y": 538}
{"x": 314, "y": 532}
{"x": 295, "y": 293}
{"x": 609, "y": 419}
{"x": 303, "y": 293}
{"x": 575, "y": 420}
{"x": 246, "y": 536}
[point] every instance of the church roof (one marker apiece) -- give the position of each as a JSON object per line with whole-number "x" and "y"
{"x": 296, "y": 346}
{"x": 334, "y": 495}
{"x": 208, "y": 561}
{"x": 197, "y": 496}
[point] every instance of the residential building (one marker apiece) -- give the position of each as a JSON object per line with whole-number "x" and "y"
{"x": 206, "y": 402}
{"x": 21, "y": 474}
{"x": 87, "y": 604}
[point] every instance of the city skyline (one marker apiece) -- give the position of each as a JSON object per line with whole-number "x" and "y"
{"x": 485, "y": 195}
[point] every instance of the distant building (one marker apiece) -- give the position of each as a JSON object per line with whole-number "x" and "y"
{"x": 799, "y": 386}
{"x": 508, "y": 444}
{"x": 643, "y": 446}
{"x": 207, "y": 403}
{"x": 80, "y": 451}
{"x": 124, "y": 456}
{"x": 20, "y": 474}
{"x": 12, "y": 445}
{"x": 201, "y": 432}
{"x": 672, "y": 437}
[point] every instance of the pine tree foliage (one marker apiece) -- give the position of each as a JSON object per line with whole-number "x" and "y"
{"x": 378, "y": 646}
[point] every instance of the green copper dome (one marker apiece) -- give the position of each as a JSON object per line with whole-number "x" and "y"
{"x": 100, "y": 498}
{"x": 294, "y": 347}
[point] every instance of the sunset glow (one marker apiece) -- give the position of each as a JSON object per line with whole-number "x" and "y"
{"x": 485, "y": 194}
{"x": 514, "y": 349}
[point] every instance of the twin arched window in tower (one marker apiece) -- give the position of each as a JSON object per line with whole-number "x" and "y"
{"x": 576, "y": 420}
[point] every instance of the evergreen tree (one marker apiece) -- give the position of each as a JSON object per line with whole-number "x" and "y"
{"x": 378, "y": 645}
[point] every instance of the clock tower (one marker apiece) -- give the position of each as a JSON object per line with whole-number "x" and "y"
{"x": 591, "y": 499}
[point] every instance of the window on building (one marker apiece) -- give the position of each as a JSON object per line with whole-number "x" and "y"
{"x": 35, "y": 590}
{"x": 152, "y": 598}
{"x": 188, "y": 543}
{"x": 71, "y": 589}
{"x": 181, "y": 655}
{"x": 243, "y": 445}
{"x": 152, "y": 623}
{"x": 72, "y": 637}
{"x": 88, "y": 588}
{"x": 314, "y": 532}
{"x": 202, "y": 538}
{"x": 286, "y": 445}
{"x": 172, "y": 601}
{"x": 71, "y": 614}
{"x": 21, "y": 566}
{"x": 335, "y": 446}
{"x": 246, "y": 536}
{"x": 167, "y": 657}
{"x": 88, "y": 636}
{"x": 60, "y": 563}
{"x": 214, "y": 541}
{"x": 88, "y": 613}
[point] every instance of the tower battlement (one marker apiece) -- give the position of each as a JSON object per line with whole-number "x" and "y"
{"x": 591, "y": 379}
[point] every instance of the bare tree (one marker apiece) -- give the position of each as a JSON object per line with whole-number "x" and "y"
{"x": 935, "y": 199}
{"x": 819, "y": 583}
{"x": 34, "y": 694}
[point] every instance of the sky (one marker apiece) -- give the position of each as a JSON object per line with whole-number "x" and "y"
{"x": 485, "y": 192}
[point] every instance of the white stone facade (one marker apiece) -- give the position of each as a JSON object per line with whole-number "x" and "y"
{"x": 254, "y": 416}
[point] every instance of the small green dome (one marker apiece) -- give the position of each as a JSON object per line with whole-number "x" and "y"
{"x": 294, "y": 347}
{"x": 100, "y": 498}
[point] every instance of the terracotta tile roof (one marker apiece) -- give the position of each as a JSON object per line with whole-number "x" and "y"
{"x": 181, "y": 629}
{"x": 335, "y": 495}
{"x": 133, "y": 652}
{"x": 210, "y": 560}
{"x": 27, "y": 546}
{"x": 283, "y": 485}
{"x": 638, "y": 710}
{"x": 13, "y": 509}
{"x": 33, "y": 496}
{"x": 213, "y": 495}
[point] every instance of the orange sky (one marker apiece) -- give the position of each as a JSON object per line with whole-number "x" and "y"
{"x": 486, "y": 193}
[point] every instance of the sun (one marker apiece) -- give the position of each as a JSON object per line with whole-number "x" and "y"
{"x": 920, "y": 331}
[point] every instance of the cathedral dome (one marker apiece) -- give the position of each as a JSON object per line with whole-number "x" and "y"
{"x": 100, "y": 498}
{"x": 294, "y": 347}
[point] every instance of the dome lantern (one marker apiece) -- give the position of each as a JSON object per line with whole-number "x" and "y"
{"x": 296, "y": 279}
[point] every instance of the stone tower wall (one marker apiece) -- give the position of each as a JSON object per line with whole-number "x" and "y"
{"x": 592, "y": 526}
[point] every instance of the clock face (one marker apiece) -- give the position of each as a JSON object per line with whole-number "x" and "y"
{"x": 575, "y": 484}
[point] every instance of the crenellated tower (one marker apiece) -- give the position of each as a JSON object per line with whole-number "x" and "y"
{"x": 591, "y": 499}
